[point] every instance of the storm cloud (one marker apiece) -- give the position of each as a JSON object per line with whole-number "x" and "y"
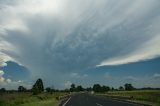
{"x": 54, "y": 37}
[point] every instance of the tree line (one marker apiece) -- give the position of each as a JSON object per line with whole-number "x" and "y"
{"x": 99, "y": 88}
{"x": 38, "y": 87}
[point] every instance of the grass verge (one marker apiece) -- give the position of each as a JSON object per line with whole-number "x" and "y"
{"x": 142, "y": 96}
{"x": 27, "y": 99}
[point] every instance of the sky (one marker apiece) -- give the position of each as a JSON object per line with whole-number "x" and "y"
{"x": 110, "y": 42}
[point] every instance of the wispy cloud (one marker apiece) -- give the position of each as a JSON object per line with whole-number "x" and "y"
{"x": 76, "y": 75}
{"x": 148, "y": 50}
{"x": 156, "y": 75}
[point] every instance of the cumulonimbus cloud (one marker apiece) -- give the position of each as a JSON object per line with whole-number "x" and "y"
{"x": 59, "y": 36}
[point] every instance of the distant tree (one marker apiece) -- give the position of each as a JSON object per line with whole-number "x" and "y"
{"x": 56, "y": 90}
{"x": 21, "y": 89}
{"x": 79, "y": 88}
{"x": 112, "y": 89}
{"x": 105, "y": 88}
{"x": 48, "y": 89}
{"x": 38, "y": 87}
{"x": 121, "y": 88}
{"x": 89, "y": 89}
{"x": 128, "y": 87}
{"x": 66, "y": 90}
{"x": 97, "y": 88}
{"x": 2, "y": 90}
{"x": 73, "y": 88}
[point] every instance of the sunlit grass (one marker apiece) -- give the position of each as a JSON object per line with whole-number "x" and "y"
{"x": 142, "y": 95}
{"x": 50, "y": 102}
{"x": 27, "y": 99}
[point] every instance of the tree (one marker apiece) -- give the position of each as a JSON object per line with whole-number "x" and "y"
{"x": 89, "y": 89}
{"x": 66, "y": 90}
{"x": 2, "y": 90}
{"x": 112, "y": 89}
{"x": 38, "y": 87}
{"x": 73, "y": 86}
{"x": 99, "y": 88}
{"x": 105, "y": 88}
{"x": 79, "y": 88}
{"x": 96, "y": 88}
{"x": 21, "y": 89}
{"x": 128, "y": 87}
{"x": 48, "y": 89}
{"x": 121, "y": 88}
{"x": 72, "y": 89}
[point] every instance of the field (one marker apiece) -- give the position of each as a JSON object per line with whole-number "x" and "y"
{"x": 27, "y": 99}
{"x": 146, "y": 96}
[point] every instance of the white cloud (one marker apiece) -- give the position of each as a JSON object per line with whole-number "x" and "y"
{"x": 156, "y": 75}
{"x": 16, "y": 15}
{"x": 1, "y": 73}
{"x": 67, "y": 84}
{"x": 76, "y": 75}
{"x": 2, "y": 79}
{"x": 148, "y": 50}
{"x": 4, "y": 58}
{"x": 8, "y": 80}
{"x": 131, "y": 78}
{"x": 2, "y": 64}
{"x": 11, "y": 84}
{"x": 20, "y": 81}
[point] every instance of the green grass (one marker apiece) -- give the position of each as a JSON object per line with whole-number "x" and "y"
{"x": 27, "y": 99}
{"x": 50, "y": 102}
{"x": 140, "y": 95}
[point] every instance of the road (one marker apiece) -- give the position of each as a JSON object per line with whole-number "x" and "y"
{"x": 90, "y": 100}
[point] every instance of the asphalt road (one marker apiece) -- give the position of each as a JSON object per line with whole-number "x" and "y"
{"x": 90, "y": 100}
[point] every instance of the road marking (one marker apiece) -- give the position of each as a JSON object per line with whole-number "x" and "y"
{"x": 127, "y": 102}
{"x": 66, "y": 102}
{"x": 99, "y": 104}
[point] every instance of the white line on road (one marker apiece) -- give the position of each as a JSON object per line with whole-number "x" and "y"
{"x": 99, "y": 104}
{"x": 66, "y": 102}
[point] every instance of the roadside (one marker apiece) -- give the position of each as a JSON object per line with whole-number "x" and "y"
{"x": 27, "y": 99}
{"x": 148, "y": 97}
{"x": 50, "y": 102}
